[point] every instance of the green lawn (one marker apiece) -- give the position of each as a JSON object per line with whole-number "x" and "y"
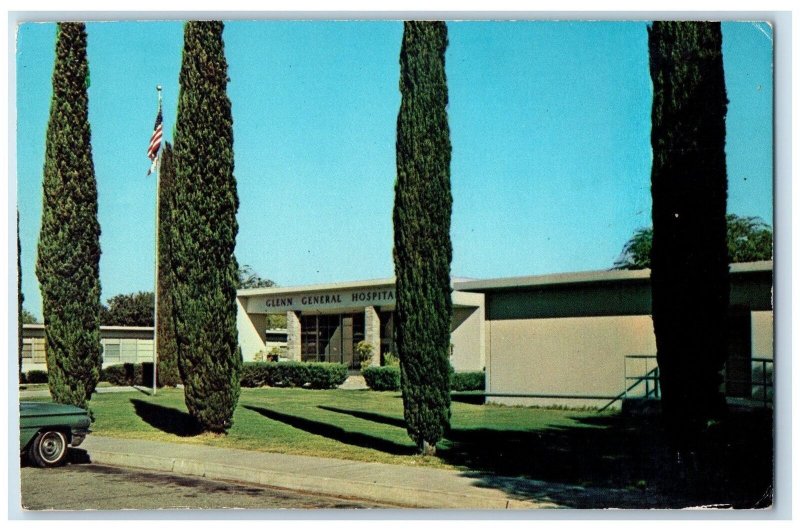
{"x": 360, "y": 425}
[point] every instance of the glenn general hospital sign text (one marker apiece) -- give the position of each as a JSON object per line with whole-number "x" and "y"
{"x": 343, "y": 299}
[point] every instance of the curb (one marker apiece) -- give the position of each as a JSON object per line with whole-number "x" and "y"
{"x": 368, "y": 491}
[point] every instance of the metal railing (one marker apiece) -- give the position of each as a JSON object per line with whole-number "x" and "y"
{"x": 650, "y": 377}
{"x": 760, "y": 382}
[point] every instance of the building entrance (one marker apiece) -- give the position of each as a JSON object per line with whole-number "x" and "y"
{"x": 331, "y": 338}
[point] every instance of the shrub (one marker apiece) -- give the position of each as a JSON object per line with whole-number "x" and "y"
{"x": 293, "y": 374}
{"x": 124, "y": 374}
{"x": 275, "y": 353}
{"x": 114, "y": 374}
{"x": 35, "y": 377}
{"x": 326, "y": 375}
{"x": 382, "y": 378}
{"x": 467, "y": 381}
{"x": 287, "y": 374}
{"x": 364, "y": 352}
{"x": 252, "y": 375}
{"x": 390, "y": 359}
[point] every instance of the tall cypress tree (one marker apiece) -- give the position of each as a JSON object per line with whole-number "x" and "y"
{"x": 203, "y": 232}
{"x": 422, "y": 247}
{"x": 168, "y": 373}
{"x": 690, "y": 284}
{"x": 69, "y": 242}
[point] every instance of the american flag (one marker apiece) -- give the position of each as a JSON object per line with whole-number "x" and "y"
{"x": 155, "y": 142}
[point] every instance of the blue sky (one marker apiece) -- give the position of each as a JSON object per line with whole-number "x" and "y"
{"x": 550, "y": 125}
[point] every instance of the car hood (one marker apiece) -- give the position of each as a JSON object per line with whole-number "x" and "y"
{"x": 33, "y": 409}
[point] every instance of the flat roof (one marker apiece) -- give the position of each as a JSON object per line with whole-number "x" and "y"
{"x": 331, "y": 286}
{"x": 586, "y": 277}
{"x": 462, "y": 284}
{"x": 252, "y": 292}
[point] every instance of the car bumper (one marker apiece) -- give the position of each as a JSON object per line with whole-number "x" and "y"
{"x": 78, "y": 435}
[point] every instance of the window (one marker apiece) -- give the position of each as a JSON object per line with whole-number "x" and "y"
{"x": 144, "y": 350}
{"x": 27, "y": 348}
{"x": 127, "y": 350}
{"x": 387, "y": 332}
{"x": 276, "y": 337}
{"x": 39, "y": 350}
{"x": 111, "y": 351}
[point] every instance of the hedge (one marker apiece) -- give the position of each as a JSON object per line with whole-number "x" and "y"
{"x": 468, "y": 381}
{"x": 35, "y": 377}
{"x": 313, "y": 375}
{"x": 326, "y": 375}
{"x": 124, "y": 374}
{"x": 388, "y": 379}
{"x": 382, "y": 378}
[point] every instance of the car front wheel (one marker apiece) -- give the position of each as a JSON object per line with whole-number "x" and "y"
{"x": 48, "y": 449}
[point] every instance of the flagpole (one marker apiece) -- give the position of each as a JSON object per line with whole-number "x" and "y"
{"x": 155, "y": 292}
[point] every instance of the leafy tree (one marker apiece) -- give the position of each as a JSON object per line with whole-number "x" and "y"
{"x": 129, "y": 309}
{"x": 27, "y": 317}
{"x": 422, "y": 247}
{"x": 690, "y": 282}
{"x": 250, "y": 279}
{"x": 203, "y": 231}
{"x": 68, "y": 263}
{"x": 276, "y": 321}
{"x": 167, "y": 347}
{"x": 749, "y": 240}
{"x": 636, "y": 252}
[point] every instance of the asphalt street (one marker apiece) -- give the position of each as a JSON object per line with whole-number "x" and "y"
{"x": 88, "y": 486}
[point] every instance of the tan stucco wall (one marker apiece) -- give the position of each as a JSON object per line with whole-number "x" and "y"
{"x": 468, "y": 351}
{"x": 762, "y": 334}
{"x": 252, "y": 331}
{"x": 564, "y": 356}
{"x": 467, "y": 332}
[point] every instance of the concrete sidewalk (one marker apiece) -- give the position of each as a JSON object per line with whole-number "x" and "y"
{"x": 405, "y": 486}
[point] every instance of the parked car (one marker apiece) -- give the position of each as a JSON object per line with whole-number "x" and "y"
{"x": 47, "y": 430}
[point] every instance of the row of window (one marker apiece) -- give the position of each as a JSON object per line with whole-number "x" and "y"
{"x": 114, "y": 350}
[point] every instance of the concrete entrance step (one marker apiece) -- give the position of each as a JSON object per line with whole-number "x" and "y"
{"x": 354, "y": 381}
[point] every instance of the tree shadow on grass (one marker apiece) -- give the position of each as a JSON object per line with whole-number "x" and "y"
{"x": 365, "y": 415}
{"x": 167, "y": 419}
{"x": 619, "y": 461}
{"x": 336, "y": 433}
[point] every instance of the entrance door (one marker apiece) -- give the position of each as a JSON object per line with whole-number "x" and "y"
{"x": 331, "y": 338}
{"x": 321, "y": 338}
